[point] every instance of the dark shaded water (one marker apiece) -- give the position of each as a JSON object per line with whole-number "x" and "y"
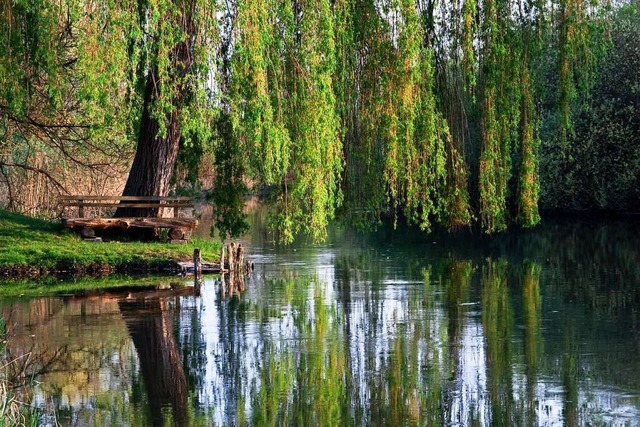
{"x": 531, "y": 328}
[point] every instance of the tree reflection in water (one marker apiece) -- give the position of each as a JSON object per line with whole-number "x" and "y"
{"x": 151, "y": 324}
{"x": 359, "y": 335}
{"x": 497, "y": 322}
{"x": 531, "y": 306}
{"x": 408, "y": 378}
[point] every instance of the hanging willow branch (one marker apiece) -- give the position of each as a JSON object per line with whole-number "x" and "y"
{"x": 422, "y": 111}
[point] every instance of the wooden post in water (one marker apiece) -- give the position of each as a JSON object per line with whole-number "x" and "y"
{"x": 223, "y": 285}
{"x": 240, "y": 267}
{"x": 231, "y": 253}
{"x": 235, "y": 266}
{"x": 222, "y": 259}
{"x": 197, "y": 268}
{"x": 240, "y": 262}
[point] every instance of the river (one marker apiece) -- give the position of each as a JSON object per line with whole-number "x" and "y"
{"x": 538, "y": 327}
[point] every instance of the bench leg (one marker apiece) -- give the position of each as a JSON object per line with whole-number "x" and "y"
{"x": 176, "y": 233}
{"x": 88, "y": 232}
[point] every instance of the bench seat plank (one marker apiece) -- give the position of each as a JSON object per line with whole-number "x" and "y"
{"x": 126, "y": 198}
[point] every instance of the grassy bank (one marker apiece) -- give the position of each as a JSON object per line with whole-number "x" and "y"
{"x": 35, "y": 247}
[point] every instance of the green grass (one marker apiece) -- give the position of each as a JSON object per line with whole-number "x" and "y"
{"x": 26, "y": 241}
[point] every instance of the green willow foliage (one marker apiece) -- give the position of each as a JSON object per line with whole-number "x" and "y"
{"x": 73, "y": 74}
{"x": 284, "y": 109}
{"x": 371, "y": 99}
{"x": 421, "y": 110}
{"x": 64, "y": 65}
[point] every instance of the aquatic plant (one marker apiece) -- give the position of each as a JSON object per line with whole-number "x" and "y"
{"x": 15, "y": 390}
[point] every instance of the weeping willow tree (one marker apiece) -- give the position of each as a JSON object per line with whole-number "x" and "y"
{"x": 415, "y": 163}
{"x": 528, "y": 188}
{"x": 362, "y": 67}
{"x": 450, "y": 30}
{"x": 511, "y": 45}
{"x": 496, "y": 107}
{"x": 173, "y": 39}
{"x": 258, "y": 87}
{"x": 416, "y": 79}
{"x": 578, "y": 53}
{"x": 318, "y": 155}
{"x": 395, "y": 136}
{"x": 418, "y": 110}
{"x": 82, "y": 81}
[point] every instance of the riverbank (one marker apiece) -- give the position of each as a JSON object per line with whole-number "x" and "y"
{"x": 31, "y": 247}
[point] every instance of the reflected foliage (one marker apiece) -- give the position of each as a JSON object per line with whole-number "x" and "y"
{"x": 535, "y": 329}
{"x": 498, "y": 322}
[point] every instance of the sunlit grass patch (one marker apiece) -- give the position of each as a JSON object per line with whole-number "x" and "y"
{"x": 41, "y": 244}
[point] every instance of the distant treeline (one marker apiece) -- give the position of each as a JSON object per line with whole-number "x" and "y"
{"x": 456, "y": 112}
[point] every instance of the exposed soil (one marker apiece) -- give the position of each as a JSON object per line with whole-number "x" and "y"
{"x": 168, "y": 267}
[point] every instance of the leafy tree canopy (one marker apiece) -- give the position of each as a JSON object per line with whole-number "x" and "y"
{"x": 429, "y": 111}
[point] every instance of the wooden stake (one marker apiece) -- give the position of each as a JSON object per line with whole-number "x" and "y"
{"x": 222, "y": 259}
{"x": 241, "y": 282}
{"x": 240, "y": 259}
{"x": 231, "y": 252}
{"x": 197, "y": 267}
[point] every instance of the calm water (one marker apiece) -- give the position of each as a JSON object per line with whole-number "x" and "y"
{"x": 392, "y": 328}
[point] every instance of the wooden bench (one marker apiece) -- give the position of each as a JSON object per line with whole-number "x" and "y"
{"x": 179, "y": 228}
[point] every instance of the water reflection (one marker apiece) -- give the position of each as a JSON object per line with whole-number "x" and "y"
{"x": 533, "y": 346}
{"x": 150, "y": 324}
{"x": 513, "y": 331}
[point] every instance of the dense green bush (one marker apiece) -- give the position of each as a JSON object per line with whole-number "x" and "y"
{"x": 598, "y": 167}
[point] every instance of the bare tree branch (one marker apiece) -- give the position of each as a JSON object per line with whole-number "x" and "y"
{"x": 29, "y": 121}
{"x": 38, "y": 170}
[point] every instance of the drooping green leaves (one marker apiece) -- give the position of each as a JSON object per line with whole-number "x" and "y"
{"x": 421, "y": 111}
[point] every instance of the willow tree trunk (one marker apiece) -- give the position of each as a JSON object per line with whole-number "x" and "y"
{"x": 155, "y": 154}
{"x": 157, "y": 151}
